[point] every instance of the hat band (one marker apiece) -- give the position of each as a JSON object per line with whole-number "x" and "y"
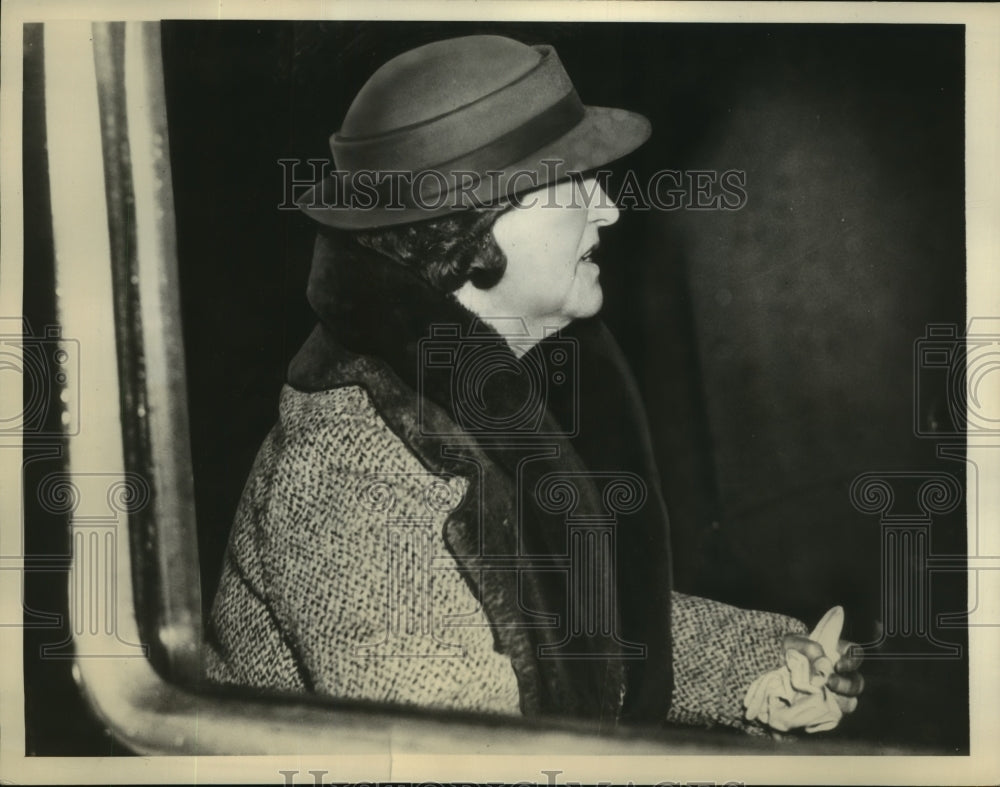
{"x": 448, "y": 184}
{"x": 455, "y": 133}
{"x": 433, "y": 187}
{"x": 561, "y": 118}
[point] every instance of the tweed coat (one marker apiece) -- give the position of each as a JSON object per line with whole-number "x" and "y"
{"x": 366, "y": 559}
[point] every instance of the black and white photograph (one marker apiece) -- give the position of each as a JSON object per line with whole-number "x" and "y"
{"x": 479, "y": 392}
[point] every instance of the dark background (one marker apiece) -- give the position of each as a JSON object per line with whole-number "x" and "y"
{"x": 774, "y": 344}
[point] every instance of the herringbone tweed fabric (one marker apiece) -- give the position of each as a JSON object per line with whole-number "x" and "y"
{"x": 337, "y": 581}
{"x": 718, "y": 652}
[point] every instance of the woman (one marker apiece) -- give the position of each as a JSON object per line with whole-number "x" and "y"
{"x": 459, "y": 506}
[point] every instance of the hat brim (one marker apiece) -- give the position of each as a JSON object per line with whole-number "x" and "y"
{"x": 604, "y": 135}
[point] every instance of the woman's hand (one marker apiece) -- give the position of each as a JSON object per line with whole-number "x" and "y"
{"x": 843, "y": 680}
{"x": 819, "y": 683}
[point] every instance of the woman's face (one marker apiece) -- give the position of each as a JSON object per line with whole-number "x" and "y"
{"x": 548, "y": 240}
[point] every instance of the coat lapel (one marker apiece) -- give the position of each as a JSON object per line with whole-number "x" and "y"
{"x": 376, "y": 320}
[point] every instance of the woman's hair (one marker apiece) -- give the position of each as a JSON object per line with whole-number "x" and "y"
{"x": 446, "y": 252}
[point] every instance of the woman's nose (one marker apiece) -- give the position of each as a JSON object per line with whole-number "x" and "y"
{"x": 600, "y": 207}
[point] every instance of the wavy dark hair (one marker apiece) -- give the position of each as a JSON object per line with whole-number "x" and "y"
{"x": 446, "y": 252}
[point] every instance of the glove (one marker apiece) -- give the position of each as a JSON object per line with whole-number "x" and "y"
{"x": 802, "y": 694}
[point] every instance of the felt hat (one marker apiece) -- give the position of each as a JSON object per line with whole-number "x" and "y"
{"x": 459, "y": 123}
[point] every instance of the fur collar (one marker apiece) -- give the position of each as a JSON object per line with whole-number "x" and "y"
{"x": 376, "y": 320}
{"x": 372, "y": 306}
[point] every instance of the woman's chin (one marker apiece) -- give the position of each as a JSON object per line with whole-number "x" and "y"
{"x": 590, "y": 304}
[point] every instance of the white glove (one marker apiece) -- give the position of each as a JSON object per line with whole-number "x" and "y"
{"x": 796, "y": 695}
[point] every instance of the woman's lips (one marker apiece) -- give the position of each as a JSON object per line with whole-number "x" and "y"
{"x": 588, "y": 256}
